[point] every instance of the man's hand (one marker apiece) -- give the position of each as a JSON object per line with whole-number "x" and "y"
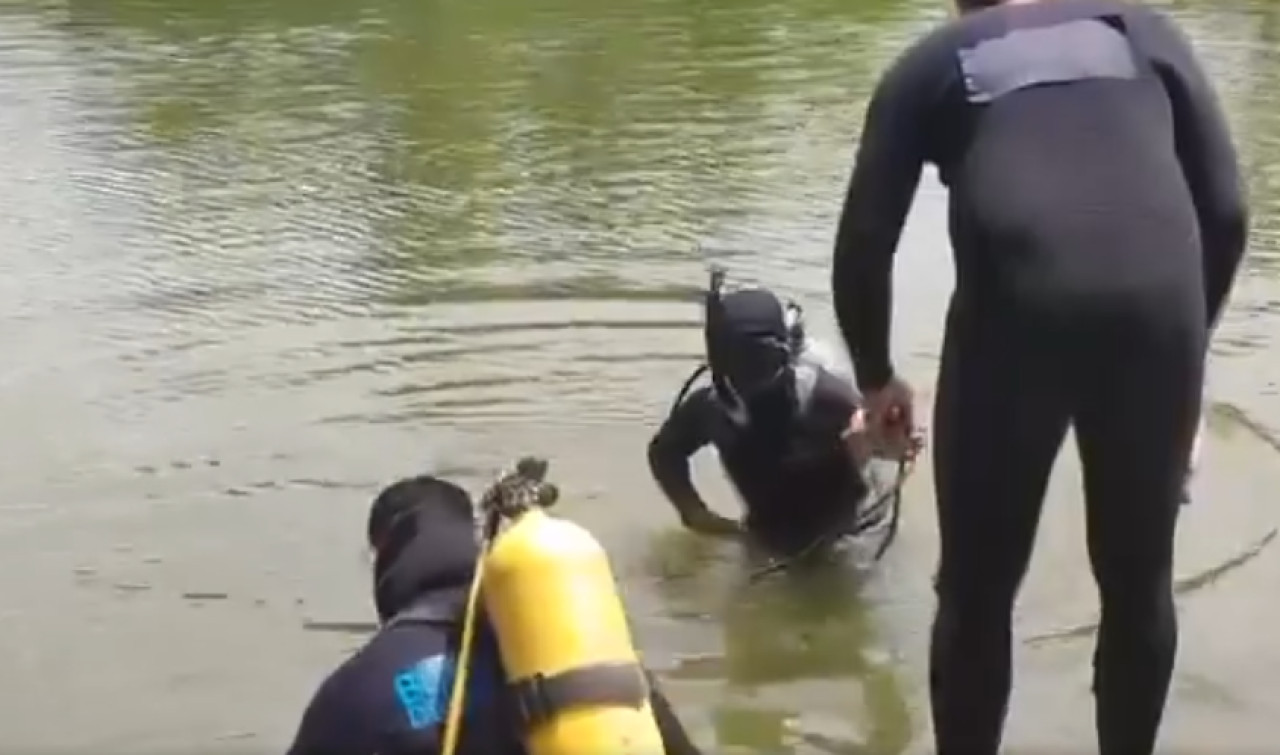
{"x": 891, "y": 408}
{"x": 706, "y": 522}
{"x": 865, "y": 445}
{"x": 890, "y": 420}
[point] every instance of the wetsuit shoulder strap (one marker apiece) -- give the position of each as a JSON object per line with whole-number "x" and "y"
{"x": 538, "y": 698}
{"x": 424, "y": 612}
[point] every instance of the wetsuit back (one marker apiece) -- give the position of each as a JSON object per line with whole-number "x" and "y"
{"x": 1097, "y": 220}
{"x": 392, "y": 696}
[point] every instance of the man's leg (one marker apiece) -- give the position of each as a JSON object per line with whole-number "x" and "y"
{"x": 999, "y": 420}
{"x": 1135, "y": 431}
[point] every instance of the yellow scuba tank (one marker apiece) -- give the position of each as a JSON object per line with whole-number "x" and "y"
{"x": 551, "y": 598}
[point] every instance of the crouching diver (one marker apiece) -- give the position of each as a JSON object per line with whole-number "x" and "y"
{"x": 577, "y": 683}
{"x": 787, "y": 427}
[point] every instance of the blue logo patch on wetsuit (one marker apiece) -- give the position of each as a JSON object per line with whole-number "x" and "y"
{"x": 424, "y": 689}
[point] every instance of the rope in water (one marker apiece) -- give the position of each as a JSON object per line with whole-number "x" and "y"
{"x": 867, "y": 518}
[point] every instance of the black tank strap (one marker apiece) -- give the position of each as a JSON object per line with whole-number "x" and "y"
{"x": 684, "y": 389}
{"x": 424, "y": 612}
{"x": 538, "y": 698}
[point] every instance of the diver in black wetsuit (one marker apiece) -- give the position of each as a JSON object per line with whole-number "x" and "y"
{"x": 1097, "y": 220}
{"x": 786, "y": 426}
{"x": 392, "y": 696}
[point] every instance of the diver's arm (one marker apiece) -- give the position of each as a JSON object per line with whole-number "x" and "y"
{"x": 681, "y": 436}
{"x": 839, "y": 413}
{"x": 675, "y": 740}
{"x": 890, "y": 157}
{"x": 1207, "y": 154}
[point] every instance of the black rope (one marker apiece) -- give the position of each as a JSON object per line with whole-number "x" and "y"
{"x": 895, "y": 514}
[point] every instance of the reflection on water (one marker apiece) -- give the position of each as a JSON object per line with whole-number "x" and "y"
{"x": 262, "y": 256}
{"x": 799, "y": 666}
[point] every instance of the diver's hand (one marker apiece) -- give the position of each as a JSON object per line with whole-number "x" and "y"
{"x": 704, "y": 521}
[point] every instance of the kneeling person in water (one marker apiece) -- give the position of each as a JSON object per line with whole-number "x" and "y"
{"x": 787, "y": 428}
{"x": 392, "y": 696}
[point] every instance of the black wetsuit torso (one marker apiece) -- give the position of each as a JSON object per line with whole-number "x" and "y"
{"x": 1097, "y": 220}
{"x": 796, "y": 488}
{"x": 391, "y": 697}
{"x": 1089, "y": 168}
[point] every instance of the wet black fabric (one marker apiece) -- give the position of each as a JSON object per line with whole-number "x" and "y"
{"x": 1104, "y": 191}
{"x": 406, "y": 496}
{"x": 798, "y": 483}
{"x": 1006, "y": 396}
{"x": 391, "y": 697}
{"x": 433, "y": 549}
{"x": 1097, "y": 219}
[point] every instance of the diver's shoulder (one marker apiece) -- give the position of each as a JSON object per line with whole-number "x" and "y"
{"x": 344, "y": 690}
{"x": 701, "y": 394}
{"x": 830, "y": 380}
{"x": 825, "y": 359}
{"x": 833, "y": 392}
{"x": 696, "y": 404}
{"x": 337, "y": 717}
{"x": 388, "y": 653}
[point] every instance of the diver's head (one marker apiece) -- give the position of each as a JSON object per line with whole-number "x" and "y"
{"x": 749, "y": 349}
{"x": 404, "y": 496}
{"x": 423, "y": 536}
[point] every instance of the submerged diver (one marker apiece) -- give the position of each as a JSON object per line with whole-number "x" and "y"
{"x": 392, "y": 696}
{"x": 787, "y": 427}
{"x": 1097, "y": 220}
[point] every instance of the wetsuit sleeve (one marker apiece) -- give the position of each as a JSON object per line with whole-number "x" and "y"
{"x": 675, "y": 740}
{"x": 1206, "y": 152}
{"x": 890, "y": 156}
{"x": 683, "y": 434}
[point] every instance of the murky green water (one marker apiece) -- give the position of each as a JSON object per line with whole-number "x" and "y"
{"x": 261, "y": 256}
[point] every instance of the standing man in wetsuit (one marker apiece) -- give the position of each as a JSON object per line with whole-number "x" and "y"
{"x": 787, "y": 428}
{"x": 1097, "y": 220}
